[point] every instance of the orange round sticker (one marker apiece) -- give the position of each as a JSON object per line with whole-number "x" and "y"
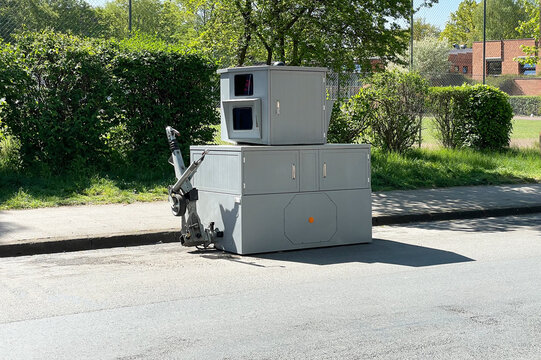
{"x": 310, "y": 219}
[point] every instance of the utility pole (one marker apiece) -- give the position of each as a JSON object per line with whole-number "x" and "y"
{"x": 129, "y": 16}
{"x": 484, "y": 39}
{"x": 411, "y": 37}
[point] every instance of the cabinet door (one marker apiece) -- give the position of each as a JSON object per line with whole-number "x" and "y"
{"x": 268, "y": 172}
{"x": 343, "y": 169}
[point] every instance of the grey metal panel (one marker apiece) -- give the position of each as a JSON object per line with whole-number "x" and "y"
{"x": 344, "y": 169}
{"x": 246, "y": 148}
{"x": 220, "y": 171}
{"x": 296, "y": 103}
{"x": 354, "y": 217}
{"x": 224, "y": 95}
{"x": 308, "y": 170}
{"x": 301, "y": 93}
{"x": 266, "y": 172}
{"x": 255, "y": 105}
{"x": 225, "y": 211}
{"x": 261, "y": 91}
{"x": 263, "y": 227}
{"x": 274, "y": 217}
{"x": 271, "y": 68}
{"x": 310, "y": 218}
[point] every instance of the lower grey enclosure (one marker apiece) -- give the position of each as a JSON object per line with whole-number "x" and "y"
{"x": 275, "y": 198}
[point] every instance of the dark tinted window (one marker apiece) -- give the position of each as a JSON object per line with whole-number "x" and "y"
{"x": 494, "y": 67}
{"x": 242, "y": 118}
{"x": 244, "y": 85}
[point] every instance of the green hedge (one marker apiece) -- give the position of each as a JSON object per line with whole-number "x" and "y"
{"x": 526, "y": 105}
{"x": 448, "y": 105}
{"x": 478, "y": 116}
{"x": 76, "y": 103}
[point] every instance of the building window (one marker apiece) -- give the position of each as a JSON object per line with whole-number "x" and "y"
{"x": 456, "y": 68}
{"x": 527, "y": 69}
{"x": 494, "y": 67}
{"x": 464, "y": 69}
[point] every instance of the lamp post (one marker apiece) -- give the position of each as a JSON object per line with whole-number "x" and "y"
{"x": 411, "y": 37}
{"x": 129, "y": 16}
{"x": 484, "y": 38}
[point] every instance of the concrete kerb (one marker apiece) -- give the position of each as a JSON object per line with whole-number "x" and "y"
{"x": 57, "y": 245}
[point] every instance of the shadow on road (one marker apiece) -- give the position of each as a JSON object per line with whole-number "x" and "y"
{"x": 493, "y": 225}
{"x": 380, "y": 251}
{"x": 7, "y": 227}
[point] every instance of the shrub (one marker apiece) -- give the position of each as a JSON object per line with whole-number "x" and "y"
{"x": 398, "y": 104}
{"x": 478, "y": 116}
{"x": 448, "y": 106}
{"x": 60, "y": 116}
{"x": 75, "y": 103}
{"x": 160, "y": 86}
{"x": 350, "y": 120}
{"x": 505, "y": 83}
{"x": 488, "y": 118}
{"x": 526, "y": 105}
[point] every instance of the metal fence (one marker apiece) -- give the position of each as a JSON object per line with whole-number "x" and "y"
{"x": 447, "y": 45}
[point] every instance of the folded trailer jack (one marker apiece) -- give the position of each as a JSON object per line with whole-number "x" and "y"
{"x": 183, "y": 198}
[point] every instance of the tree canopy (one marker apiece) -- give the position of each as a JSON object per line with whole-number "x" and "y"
{"x": 334, "y": 33}
{"x": 423, "y": 30}
{"x": 460, "y": 27}
{"x": 529, "y": 28}
{"x": 503, "y": 18}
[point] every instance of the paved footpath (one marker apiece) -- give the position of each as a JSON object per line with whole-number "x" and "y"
{"x": 86, "y": 227}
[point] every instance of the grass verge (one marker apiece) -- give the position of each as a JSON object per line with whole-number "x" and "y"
{"x": 522, "y": 129}
{"x": 424, "y": 168}
{"x": 421, "y": 168}
{"x": 20, "y": 191}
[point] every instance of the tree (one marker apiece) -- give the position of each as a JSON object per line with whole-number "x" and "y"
{"x": 334, "y": 33}
{"x": 503, "y": 18}
{"x": 430, "y": 58}
{"x": 167, "y": 20}
{"x": 73, "y": 16}
{"x": 530, "y": 28}
{"x": 466, "y": 24}
{"x": 422, "y": 29}
{"x": 460, "y": 27}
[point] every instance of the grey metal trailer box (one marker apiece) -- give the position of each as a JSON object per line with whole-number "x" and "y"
{"x": 274, "y": 105}
{"x": 274, "y": 198}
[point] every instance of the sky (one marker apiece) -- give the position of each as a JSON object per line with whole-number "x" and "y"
{"x": 439, "y": 13}
{"x": 436, "y": 15}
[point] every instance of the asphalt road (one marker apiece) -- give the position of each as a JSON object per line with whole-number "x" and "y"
{"x": 446, "y": 290}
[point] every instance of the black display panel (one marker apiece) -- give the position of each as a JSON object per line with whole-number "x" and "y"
{"x": 244, "y": 85}
{"x": 242, "y": 118}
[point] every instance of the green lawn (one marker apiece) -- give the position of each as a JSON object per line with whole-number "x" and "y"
{"x": 522, "y": 129}
{"x": 420, "y": 168}
{"x": 432, "y": 168}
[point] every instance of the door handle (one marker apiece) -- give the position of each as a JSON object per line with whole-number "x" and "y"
{"x": 293, "y": 172}
{"x": 324, "y": 169}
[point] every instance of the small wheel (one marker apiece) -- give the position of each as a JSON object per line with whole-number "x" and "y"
{"x": 178, "y": 205}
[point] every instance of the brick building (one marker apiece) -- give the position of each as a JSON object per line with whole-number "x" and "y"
{"x": 499, "y": 61}
{"x": 499, "y": 58}
{"x": 461, "y": 61}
